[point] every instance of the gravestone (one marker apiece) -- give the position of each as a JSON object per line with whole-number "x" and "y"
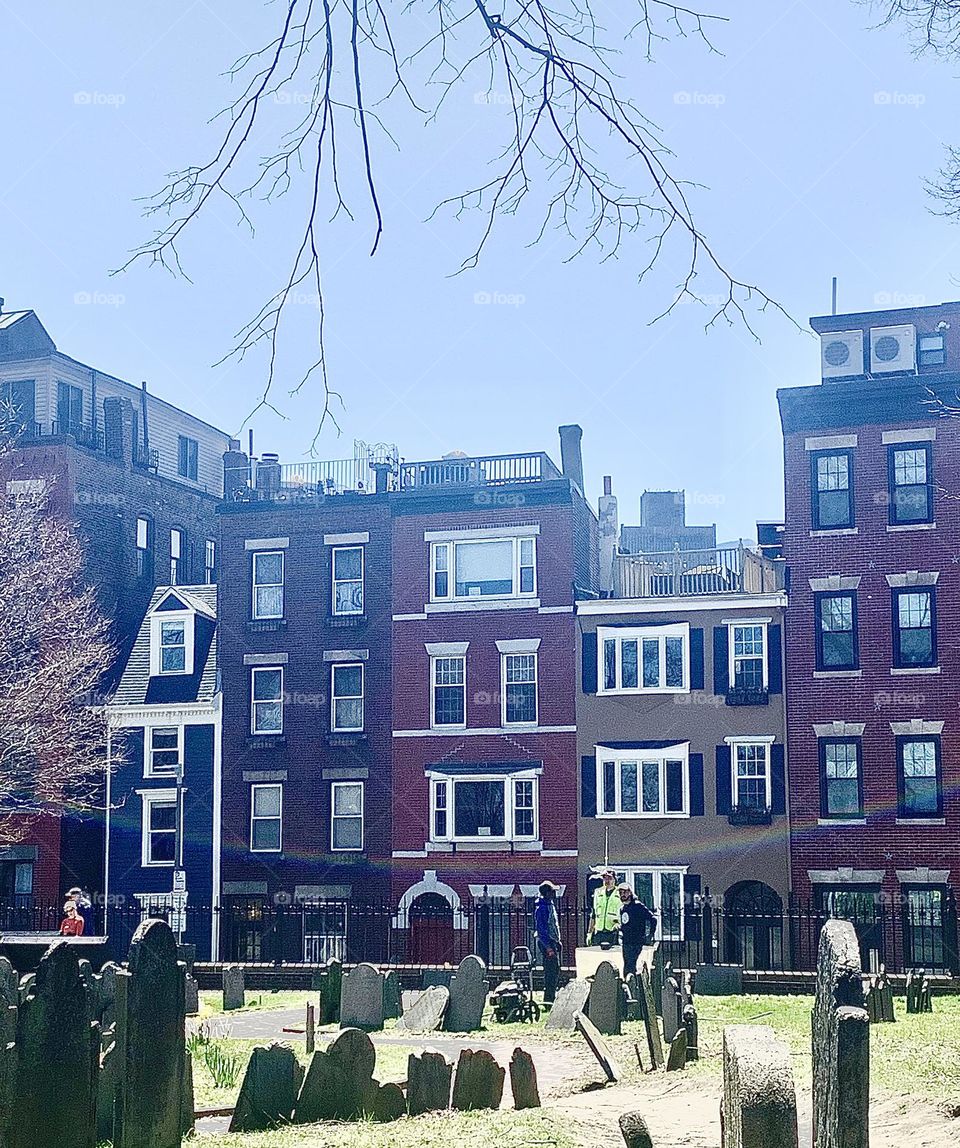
{"x": 633, "y": 1129}
{"x": 392, "y": 1009}
{"x": 919, "y": 996}
{"x": 571, "y": 999}
{"x": 361, "y": 999}
{"x": 691, "y": 1026}
{"x": 878, "y": 998}
{"x": 387, "y": 1103}
{"x": 431, "y": 977}
{"x": 841, "y": 1042}
{"x": 719, "y": 980}
{"x": 598, "y": 1046}
{"x": 523, "y": 1080}
{"x": 468, "y": 996}
{"x": 329, "y": 983}
{"x": 150, "y": 1041}
{"x": 107, "y": 1077}
{"x": 429, "y": 1076}
{"x": 234, "y": 992}
{"x": 27, "y": 982}
{"x": 408, "y": 998}
{"x": 677, "y": 1057}
{"x": 86, "y": 971}
{"x": 672, "y": 1009}
{"x": 55, "y": 1098}
{"x": 477, "y": 1082}
{"x": 759, "y": 1107}
{"x": 269, "y": 1091}
{"x": 339, "y": 1083}
{"x": 9, "y": 994}
{"x": 191, "y": 995}
{"x": 187, "y": 1115}
{"x": 310, "y": 1030}
{"x": 427, "y": 1012}
{"x": 650, "y": 1022}
{"x": 632, "y": 990}
{"x": 604, "y": 1004}
{"x": 108, "y": 994}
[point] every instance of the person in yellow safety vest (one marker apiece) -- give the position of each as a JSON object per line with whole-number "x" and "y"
{"x": 604, "y": 924}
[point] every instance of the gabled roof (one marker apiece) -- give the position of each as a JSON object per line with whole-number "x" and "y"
{"x": 8, "y": 318}
{"x": 137, "y": 688}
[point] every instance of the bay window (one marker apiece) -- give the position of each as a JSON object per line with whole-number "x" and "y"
{"x": 482, "y": 807}
{"x": 483, "y": 568}
{"x": 643, "y": 783}
{"x": 654, "y": 659}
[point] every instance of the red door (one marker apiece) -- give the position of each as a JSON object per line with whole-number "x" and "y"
{"x": 431, "y": 930}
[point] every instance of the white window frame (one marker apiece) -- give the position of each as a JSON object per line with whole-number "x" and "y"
{"x": 148, "y": 800}
{"x": 254, "y": 670}
{"x": 176, "y": 555}
{"x": 335, "y": 697}
{"x": 765, "y": 650}
{"x": 450, "y": 547}
{"x": 210, "y": 561}
{"x": 639, "y": 634}
{"x": 334, "y": 581}
{"x": 334, "y": 787}
{"x": 735, "y": 743}
{"x": 254, "y": 585}
{"x": 149, "y": 769}
{"x": 278, "y": 785}
{"x": 504, "y": 658}
{"x": 450, "y": 781}
{"x": 679, "y": 752}
{"x": 627, "y": 872}
{"x": 434, "y": 659}
{"x": 156, "y": 635}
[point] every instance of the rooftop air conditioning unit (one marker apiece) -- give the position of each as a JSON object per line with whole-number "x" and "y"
{"x": 893, "y": 349}
{"x": 841, "y": 354}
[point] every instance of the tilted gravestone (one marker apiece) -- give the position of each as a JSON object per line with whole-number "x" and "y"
{"x": 598, "y": 1047}
{"x": 427, "y": 1011}
{"x": 671, "y": 1009}
{"x": 468, "y": 996}
{"x": 234, "y": 991}
{"x": 477, "y": 1082}
{"x": 392, "y": 1009}
{"x": 571, "y": 999}
{"x": 57, "y": 1053}
{"x": 269, "y": 1091}
{"x": 677, "y": 1056}
{"x": 339, "y": 1083}
{"x": 691, "y": 1026}
{"x": 651, "y": 1024}
{"x": 633, "y": 1129}
{"x": 841, "y": 1042}
{"x": 361, "y": 999}
{"x": 429, "y": 1077}
{"x": 605, "y": 1002}
{"x": 523, "y": 1080}
{"x": 759, "y": 1107}
{"x": 150, "y": 1042}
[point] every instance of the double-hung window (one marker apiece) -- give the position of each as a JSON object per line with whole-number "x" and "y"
{"x": 173, "y": 647}
{"x": 748, "y": 656}
{"x": 831, "y": 481}
{"x": 177, "y": 555}
{"x": 750, "y": 783}
{"x": 841, "y": 787}
{"x": 210, "y": 561}
{"x": 484, "y": 568}
{"x": 187, "y": 457}
{"x": 654, "y": 659}
{"x": 520, "y": 689}
{"x": 144, "y": 548}
{"x": 266, "y": 706}
{"x": 914, "y": 628}
{"x": 836, "y": 631}
{"x": 266, "y": 818}
{"x": 347, "y": 580}
{"x": 159, "y": 831}
{"x": 643, "y": 783}
{"x": 919, "y": 783}
{"x": 346, "y": 697}
{"x": 69, "y": 408}
{"x": 910, "y": 470}
{"x": 164, "y": 751}
{"x": 346, "y": 816}
{"x": 480, "y": 808}
{"x": 267, "y": 584}
{"x": 449, "y": 691}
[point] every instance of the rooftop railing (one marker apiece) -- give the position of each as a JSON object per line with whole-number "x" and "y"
{"x": 682, "y": 573}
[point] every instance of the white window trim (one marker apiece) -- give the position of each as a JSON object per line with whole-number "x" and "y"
{"x": 334, "y": 786}
{"x": 536, "y": 689}
{"x": 764, "y": 741}
{"x": 254, "y": 732}
{"x": 176, "y": 559}
{"x": 149, "y": 799}
{"x": 765, "y": 653}
{"x": 434, "y": 658}
{"x": 266, "y": 785}
{"x": 334, "y": 698}
{"x": 257, "y": 555}
{"x": 156, "y": 628}
{"x": 656, "y": 871}
{"x": 148, "y": 770}
{"x": 679, "y": 752}
{"x": 638, "y": 634}
{"x": 334, "y": 551}
{"x": 509, "y": 806}
{"x": 451, "y": 544}
{"x": 209, "y": 568}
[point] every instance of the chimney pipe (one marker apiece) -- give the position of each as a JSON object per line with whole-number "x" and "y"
{"x": 571, "y": 458}
{"x": 609, "y": 533}
{"x": 607, "y": 484}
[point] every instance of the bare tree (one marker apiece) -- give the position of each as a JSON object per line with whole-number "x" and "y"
{"x": 53, "y": 652}
{"x": 573, "y": 141}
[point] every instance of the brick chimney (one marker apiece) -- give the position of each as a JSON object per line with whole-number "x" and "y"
{"x": 118, "y": 429}
{"x": 571, "y": 458}
{"x": 609, "y": 531}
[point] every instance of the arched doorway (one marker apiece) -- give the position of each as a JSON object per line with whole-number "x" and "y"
{"x": 430, "y": 921}
{"x": 753, "y": 926}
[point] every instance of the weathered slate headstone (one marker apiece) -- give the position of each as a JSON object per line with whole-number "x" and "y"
{"x": 719, "y": 980}
{"x": 55, "y": 1097}
{"x": 9, "y": 987}
{"x": 571, "y": 999}
{"x": 431, "y": 977}
{"x": 427, "y": 1011}
{"x": 269, "y": 1091}
{"x": 919, "y": 997}
{"x": 27, "y": 982}
{"x": 672, "y": 1009}
{"x": 234, "y": 992}
{"x": 151, "y": 1042}
{"x": 361, "y": 999}
{"x": 523, "y": 1080}
{"x": 107, "y": 1077}
{"x": 187, "y": 1113}
{"x": 604, "y": 1004}
{"x": 651, "y": 1024}
{"x": 387, "y": 1103}
{"x": 632, "y": 990}
{"x": 330, "y": 983}
{"x": 191, "y": 995}
{"x": 392, "y": 1009}
{"x": 468, "y": 996}
{"x": 108, "y": 993}
{"x": 310, "y": 1030}
{"x": 692, "y": 1028}
{"x": 477, "y": 1082}
{"x": 429, "y": 1076}
{"x": 633, "y": 1128}
{"x": 677, "y": 1057}
{"x": 598, "y": 1047}
{"x": 759, "y": 1108}
{"x": 841, "y": 1043}
{"x": 339, "y": 1083}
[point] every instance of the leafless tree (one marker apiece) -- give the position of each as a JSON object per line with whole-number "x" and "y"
{"x": 54, "y": 651}
{"x": 596, "y": 168}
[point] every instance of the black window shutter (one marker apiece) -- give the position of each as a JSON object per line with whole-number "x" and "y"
{"x": 696, "y": 784}
{"x": 775, "y": 659}
{"x": 778, "y": 779}
{"x": 588, "y": 786}
{"x": 691, "y": 910}
{"x": 721, "y": 658}
{"x": 133, "y": 749}
{"x": 588, "y": 662}
{"x": 696, "y": 659}
{"x": 198, "y": 746}
{"x": 724, "y": 796}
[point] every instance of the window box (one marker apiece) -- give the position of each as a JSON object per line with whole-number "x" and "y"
{"x": 345, "y": 739}
{"x": 645, "y": 660}
{"x": 266, "y": 626}
{"x": 346, "y": 621}
{"x": 749, "y": 816}
{"x": 266, "y": 741}
{"x": 748, "y": 698}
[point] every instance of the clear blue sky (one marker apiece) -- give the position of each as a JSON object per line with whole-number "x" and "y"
{"x": 811, "y": 132}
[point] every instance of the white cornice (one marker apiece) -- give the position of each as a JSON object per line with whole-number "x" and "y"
{"x": 688, "y": 603}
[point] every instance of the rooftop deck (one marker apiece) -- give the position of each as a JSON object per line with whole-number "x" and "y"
{"x": 692, "y": 573}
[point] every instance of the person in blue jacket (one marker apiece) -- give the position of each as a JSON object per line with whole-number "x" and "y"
{"x": 548, "y": 939}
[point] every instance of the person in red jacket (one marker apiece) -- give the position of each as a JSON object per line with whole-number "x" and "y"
{"x": 72, "y": 923}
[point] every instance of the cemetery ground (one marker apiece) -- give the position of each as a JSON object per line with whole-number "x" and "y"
{"x": 915, "y": 1079}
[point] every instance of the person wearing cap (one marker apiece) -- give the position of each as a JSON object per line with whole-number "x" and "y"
{"x": 548, "y": 939}
{"x": 605, "y": 917}
{"x": 637, "y": 923}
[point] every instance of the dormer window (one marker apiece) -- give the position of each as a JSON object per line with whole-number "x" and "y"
{"x": 173, "y": 647}
{"x": 171, "y": 638}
